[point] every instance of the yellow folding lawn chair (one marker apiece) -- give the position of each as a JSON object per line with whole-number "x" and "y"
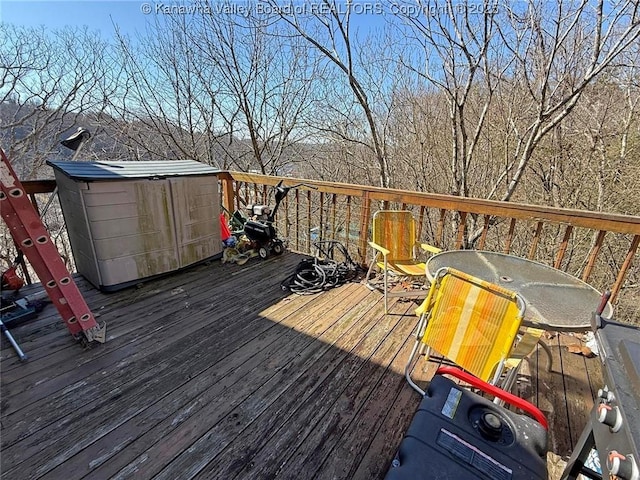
{"x": 395, "y": 250}
{"x": 469, "y": 321}
{"x": 528, "y": 339}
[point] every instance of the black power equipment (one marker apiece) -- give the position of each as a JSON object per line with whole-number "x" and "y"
{"x": 457, "y": 434}
{"x": 260, "y": 229}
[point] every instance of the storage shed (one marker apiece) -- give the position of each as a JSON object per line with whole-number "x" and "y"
{"x": 129, "y": 221}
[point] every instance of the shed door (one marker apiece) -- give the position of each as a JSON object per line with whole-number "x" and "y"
{"x": 196, "y": 205}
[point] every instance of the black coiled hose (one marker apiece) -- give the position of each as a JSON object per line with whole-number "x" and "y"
{"x": 314, "y": 275}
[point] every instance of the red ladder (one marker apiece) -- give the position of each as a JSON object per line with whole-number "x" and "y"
{"x": 33, "y": 239}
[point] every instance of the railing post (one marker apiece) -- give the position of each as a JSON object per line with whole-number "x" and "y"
{"x": 308, "y": 246}
{"x": 421, "y": 220}
{"x": 321, "y": 236}
{"x": 512, "y": 227}
{"x": 439, "y": 240}
{"x": 623, "y": 269}
{"x": 297, "y": 195}
{"x": 563, "y": 247}
{"x": 348, "y": 224}
{"x": 334, "y": 228}
{"x": 485, "y": 230}
{"x": 364, "y": 227}
{"x": 593, "y": 255}
{"x": 460, "y": 243}
{"x": 227, "y": 191}
{"x": 535, "y": 241}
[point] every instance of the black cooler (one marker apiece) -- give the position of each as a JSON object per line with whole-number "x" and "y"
{"x": 459, "y": 435}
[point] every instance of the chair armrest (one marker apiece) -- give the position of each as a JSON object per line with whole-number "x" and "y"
{"x": 430, "y": 248}
{"x": 424, "y": 306}
{"x": 382, "y": 250}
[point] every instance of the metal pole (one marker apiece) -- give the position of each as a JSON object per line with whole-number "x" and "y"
{"x": 84, "y": 136}
{"x": 13, "y": 342}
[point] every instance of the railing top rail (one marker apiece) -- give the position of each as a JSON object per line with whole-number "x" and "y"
{"x": 611, "y": 222}
{"x": 39, "y": 186}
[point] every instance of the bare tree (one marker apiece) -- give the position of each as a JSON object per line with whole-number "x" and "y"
{"x": 538, "y": 57}
{"x": 602, "y": 141}
{"x": 462, "y": 61}
{"x": 559, "y": 50}
{"x": 49, "y": 81}
{"x": 166, "y": 103}
{"x": 216, "y": 88}
{"x": 511, "y": 74}
{"x": 269, "y": 83}
{"x": 329, "y": 30}
{"x": 420, "y": 139}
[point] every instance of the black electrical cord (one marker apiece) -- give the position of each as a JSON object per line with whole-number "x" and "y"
{"x": 314, "y": 275}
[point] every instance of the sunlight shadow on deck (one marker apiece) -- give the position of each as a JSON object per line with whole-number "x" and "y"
{"x": 193, "y": 383}
{"x": 213, "y": 373}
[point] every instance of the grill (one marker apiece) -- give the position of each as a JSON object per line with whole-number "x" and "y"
{"x": 614, "y": 426}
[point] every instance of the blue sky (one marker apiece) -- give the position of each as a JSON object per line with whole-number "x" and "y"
{"x": 97, "y": 15}
{"x": 129, "y": 15}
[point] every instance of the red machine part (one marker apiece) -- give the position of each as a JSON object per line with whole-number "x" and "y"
{"x": 496, "y": 392}
{"x": 11, "y": 280}
{"x": 33, "y": 239}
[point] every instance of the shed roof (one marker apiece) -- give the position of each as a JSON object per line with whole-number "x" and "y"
{"x": 91, "y": 171}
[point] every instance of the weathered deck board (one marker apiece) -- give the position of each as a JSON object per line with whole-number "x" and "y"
{"x": 319, "y": 415}
{"x": 181, "y": 330}
{"x": 579, "y": 399}
{"x": 215, "y": 372}
{"x": 203, "y": 398}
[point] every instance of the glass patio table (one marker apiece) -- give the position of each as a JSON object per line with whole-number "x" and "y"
{"x": 555, "y": 300}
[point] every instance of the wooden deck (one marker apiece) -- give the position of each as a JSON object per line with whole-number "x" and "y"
{"x": 216, "y": 373}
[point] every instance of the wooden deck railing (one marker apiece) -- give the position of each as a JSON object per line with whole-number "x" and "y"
{"x": 600, "y": 248}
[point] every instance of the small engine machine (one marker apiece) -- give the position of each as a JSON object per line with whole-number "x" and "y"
{"x": 260, "y": 229}
{"x": 457, "y": 434}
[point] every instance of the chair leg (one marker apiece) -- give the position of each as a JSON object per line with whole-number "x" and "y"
{"x": 369, "y": 284}
{"x": 422, "y": 324}
{"x": 386, "y": 293}
{"x": 410, "y": 365}
{"x": 510, "y": 378}
{"x": 508, "y": 382}
{"x": 524, "y": 353}
{"x": 546, "y": 348}
{"x": 419, "y": 349}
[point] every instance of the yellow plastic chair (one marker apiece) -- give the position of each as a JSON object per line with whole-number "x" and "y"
{"x": 395, "y": 250}
{"x": 469, "y": 321}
